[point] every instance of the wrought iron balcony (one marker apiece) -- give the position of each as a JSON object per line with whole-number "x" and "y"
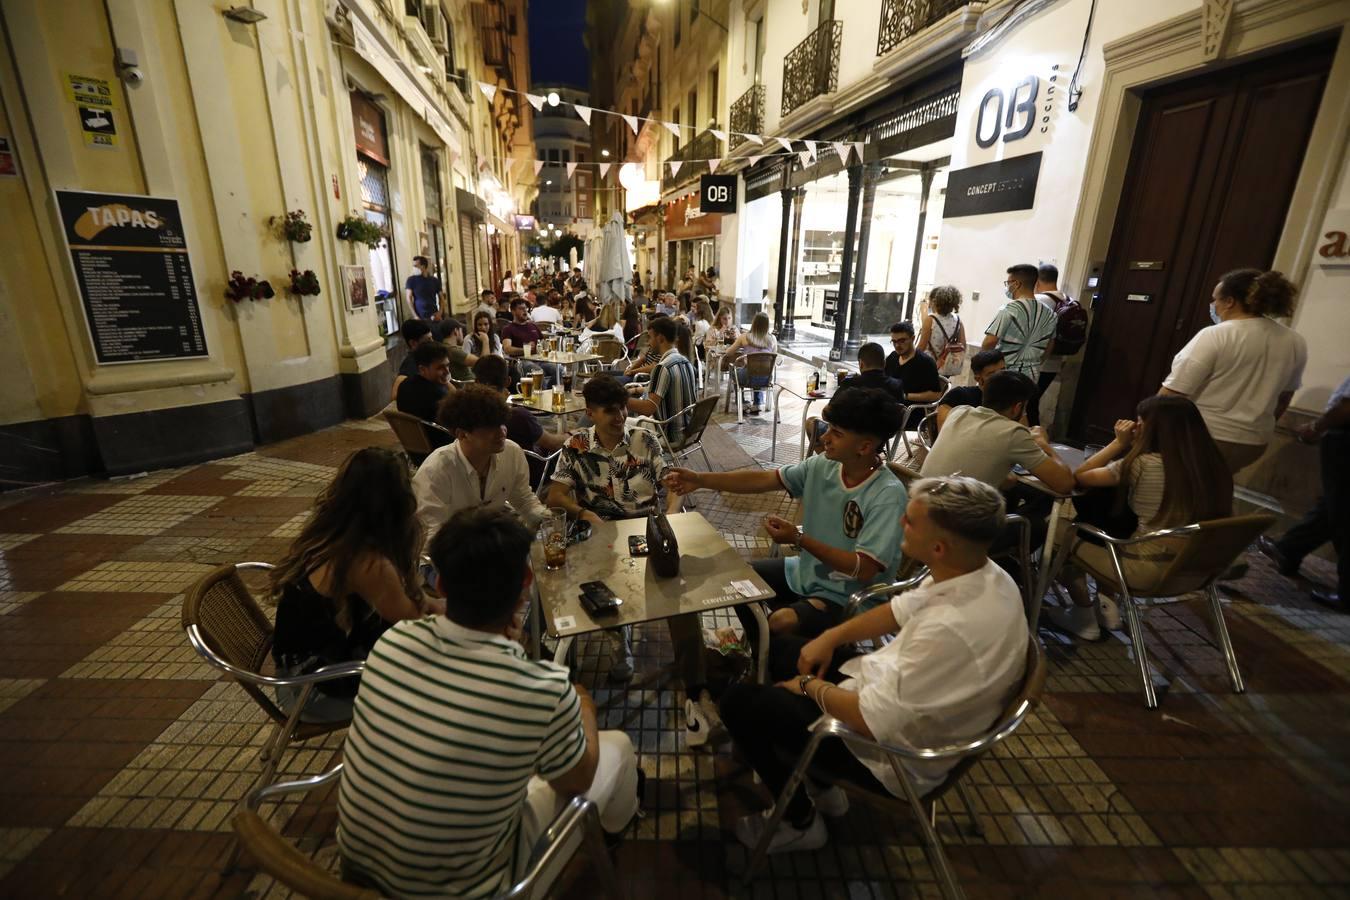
{"x": 705, "y": 146}
{"x": 812, "y": 68}
{"x": 747, "y": 113}
{"x": 902, "y": 18}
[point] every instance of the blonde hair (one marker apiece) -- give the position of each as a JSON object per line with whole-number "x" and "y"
{"x": 759, "y": 329}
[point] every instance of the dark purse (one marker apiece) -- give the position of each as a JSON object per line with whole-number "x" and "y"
{"x": 663, "y": 551}
{"x": 1100, "y": 507}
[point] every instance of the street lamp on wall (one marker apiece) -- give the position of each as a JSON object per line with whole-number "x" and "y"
{"x": 245, "y": 14}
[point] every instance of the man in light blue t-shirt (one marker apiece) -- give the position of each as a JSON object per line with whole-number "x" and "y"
{"x": 851, "y": 509}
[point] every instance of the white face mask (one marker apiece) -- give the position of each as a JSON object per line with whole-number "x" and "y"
{"x": 1214, "y": 314}
{"x": 1007, "y": 292}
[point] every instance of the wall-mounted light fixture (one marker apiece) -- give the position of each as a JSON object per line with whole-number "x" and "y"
{"x": 245, "y": 14}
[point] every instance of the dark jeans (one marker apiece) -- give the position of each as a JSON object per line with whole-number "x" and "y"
{"x": 810, "y": 621}
{"x": 1329, "y": 520}
{"x": 771, "y": 727}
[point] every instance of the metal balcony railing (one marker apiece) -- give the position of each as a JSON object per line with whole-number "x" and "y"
{"x": 747, "y": 113}
{"x": 812, "y": 68}
{"x": 902, "y": 18}
{"x": 705, "y": 146}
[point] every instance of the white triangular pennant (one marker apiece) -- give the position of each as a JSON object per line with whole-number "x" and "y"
{"x": 584, "y": 112}
{"x": 536, "y": 100}
{"x": 858, "y": 149}
{"x": 754, "y": 138}
{"x": 811, "y": 148}
{"x": 538, "y": 164}
{"x": 805, "y": 157}
{"x": 571, "y": 167}
{"x": 675, "y": 167}
{"x": 787, "y": 144}
{"x": 720, "y": 135}
{"x": 489, "y": 90}
{"x": 604, "y": 170}
{"x": 712, "y": 165}
{"x": 842, "y": 148}
{"x": 754, "y": 160}
{"x": 632, "y": 122}
{"x": 672, "y": 127}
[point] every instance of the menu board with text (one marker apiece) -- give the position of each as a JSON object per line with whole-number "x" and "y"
{"x": 135, "y": 276}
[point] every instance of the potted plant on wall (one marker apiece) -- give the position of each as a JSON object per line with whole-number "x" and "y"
{"x": 294, "y": 226}
{"x": 241, "y": 287}
{"x": 360, "y": 230}
{"x": 304, "y": 284}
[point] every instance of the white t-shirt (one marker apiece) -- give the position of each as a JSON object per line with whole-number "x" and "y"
{"x": 1235, "y": 371}
{"x": 959, "y": 657}
{"x": 545, "y": 314}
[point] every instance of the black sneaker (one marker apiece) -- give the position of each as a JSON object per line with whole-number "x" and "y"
{"x": 1283, "y": 564}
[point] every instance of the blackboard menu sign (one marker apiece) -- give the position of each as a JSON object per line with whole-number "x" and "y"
{"x": 1001, "y": 186}
{"x": 131, "y": 261}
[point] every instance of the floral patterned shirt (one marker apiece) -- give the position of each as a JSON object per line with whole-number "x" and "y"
{"x": 613, "y": 484}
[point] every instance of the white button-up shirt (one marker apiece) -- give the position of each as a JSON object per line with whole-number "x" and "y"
{"x": 446, "y": 483}
{"x": 959, "y": 657}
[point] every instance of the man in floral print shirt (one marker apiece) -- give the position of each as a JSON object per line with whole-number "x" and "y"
{"x": 607, "y": 473}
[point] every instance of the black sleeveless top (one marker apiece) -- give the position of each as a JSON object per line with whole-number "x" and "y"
{"x": 307, "y": 636}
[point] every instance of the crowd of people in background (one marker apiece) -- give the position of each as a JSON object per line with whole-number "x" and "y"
{"x": 427, "y": 577}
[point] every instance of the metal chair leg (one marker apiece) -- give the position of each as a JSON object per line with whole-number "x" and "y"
{"x": 707, "y": 462}
{"x": 967, "y": 801}
{"x": 780, "y": 807}
{"x": 595, "y": 845}
{"x": 951, "y": 888}
{"x": 1136, "y": 630}
{"x": 1225, "y": 643}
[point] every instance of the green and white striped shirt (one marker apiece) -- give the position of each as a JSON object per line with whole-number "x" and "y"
{"x": 449, "y": 725}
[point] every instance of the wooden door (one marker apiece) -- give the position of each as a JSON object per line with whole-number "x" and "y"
{"x": 1207, "y": 190}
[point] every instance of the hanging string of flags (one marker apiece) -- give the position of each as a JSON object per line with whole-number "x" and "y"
{"x": 807, "y": 156}
{"x": 677, "y": 165}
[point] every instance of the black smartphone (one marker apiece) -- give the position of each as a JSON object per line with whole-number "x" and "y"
{"x": 598, "y": 599}
{"x": 637, "y": 545}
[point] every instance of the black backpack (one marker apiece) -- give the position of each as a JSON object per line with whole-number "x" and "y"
{"x": 1071, "y": 324}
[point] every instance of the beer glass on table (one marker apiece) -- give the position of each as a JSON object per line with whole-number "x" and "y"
{"x": 527, "y": 388}
{"x": 554, "y": 535}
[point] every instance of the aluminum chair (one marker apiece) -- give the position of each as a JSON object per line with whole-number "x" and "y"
{"x": 548, "y": 463}
{"x": 414, "y": 434}
{"x": 575, "y": 828}
{"x": 230, "y": 631}
{"x": 1204, "y": 552}
{"x": 699, "y": 416}
{"x": 759, "y": 373}
{"x": 924, "y": 808}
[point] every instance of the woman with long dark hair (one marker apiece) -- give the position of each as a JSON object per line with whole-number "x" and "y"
{"x": 484, "y": 340}
{"x": 349, "y": 575}
{"x": 1167, "y": 471}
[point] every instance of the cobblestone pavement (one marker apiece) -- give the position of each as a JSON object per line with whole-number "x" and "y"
{"x": 122, "y": 756}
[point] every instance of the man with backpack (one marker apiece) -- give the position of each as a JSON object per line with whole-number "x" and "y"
{"x": 1071, "y": 326}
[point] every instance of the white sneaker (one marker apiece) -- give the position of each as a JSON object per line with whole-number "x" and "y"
{"x": 1079, "y": 621}
{"x": 700, "y": 720}
{"x": 1108, "y": 613}
{"x": 786, "y": 838}
{"x": 620, "y": 655}
{"x": 830, "y": 801}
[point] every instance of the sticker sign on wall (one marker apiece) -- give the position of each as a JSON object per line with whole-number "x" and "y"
{"x": 94, "y": 104}
{"x": 131, "y": 263}
{"x": 1002, "y": 186}
{"x": 9, "y": 166}
{"x": 85, "y": 91}
{"x": 97, "y": 124}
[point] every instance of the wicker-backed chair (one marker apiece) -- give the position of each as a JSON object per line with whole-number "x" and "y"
{"x": 414, "y": 434}
{"x": 575, "y": 828}
{"x": 758, "y": 374}
{"x": 924, "y": 808}
{"x": 230, "y": 631}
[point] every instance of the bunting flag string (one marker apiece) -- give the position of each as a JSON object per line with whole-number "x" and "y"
{"x": 538, "y": 164}
{"x": 712, "y": 166}
{"x": 673, "y": 128}
{"x": 489, "y": 90}
{"x": 631, "y": 120}
{"x": 571, "y": 167}
{"x": 675, "y": 167}
{"x": 811, "y": 149}
{"x": 842, "y": 148}
{"x": 583, "y": 111}
{"x": 787, "y": 144}
{"x": 720, "y": 135}
{"x": 536, "y": 101}
{"x": 604, "y": 170}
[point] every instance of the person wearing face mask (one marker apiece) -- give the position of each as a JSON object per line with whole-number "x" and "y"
{"x": 1242, "y": 372}
{"x": 1023, "y": 328}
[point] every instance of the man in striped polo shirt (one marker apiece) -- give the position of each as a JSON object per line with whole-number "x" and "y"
{"x": 461, "y": 750}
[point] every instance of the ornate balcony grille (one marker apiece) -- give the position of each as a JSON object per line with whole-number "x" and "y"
{"x": 705, "y": 146}
{"x": 747, "y": 113}
{"x": 923, "y": 111}
{"x": 902, "y": 18}
{"x": 812, "y": 68}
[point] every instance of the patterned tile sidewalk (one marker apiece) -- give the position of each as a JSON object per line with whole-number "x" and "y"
{"x": 122, "y": 756}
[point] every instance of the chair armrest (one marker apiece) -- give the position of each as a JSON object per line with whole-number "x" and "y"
{"x": 326, "y": 673}
{"x": 575, "y": 822}
{"x": 264, "y": 566}
{"x": 831, "y": 726}
{"x": 1084, "y": 528}
{"x": 878, "y": 591}
{"x": 299, "y": 786}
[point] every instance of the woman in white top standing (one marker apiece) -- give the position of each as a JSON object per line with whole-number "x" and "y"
{"x": 1242, "y": 372}
{"x": 757, "y": 340}
{"x": 942, "y": 336}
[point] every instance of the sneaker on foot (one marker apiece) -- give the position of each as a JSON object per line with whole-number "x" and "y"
{"x": 620, "y": 655}
{"x": 829, "y": 801}
{"x": 700, "y": 719}
{"x": 1108, "y": 613}
{"x": 786, "y": 838}
{"x": 1079, "y": 621}
{"x": 1283, "y": 564}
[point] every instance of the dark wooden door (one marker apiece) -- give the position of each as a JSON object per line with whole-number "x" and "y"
{"x": 1207, "y": 190}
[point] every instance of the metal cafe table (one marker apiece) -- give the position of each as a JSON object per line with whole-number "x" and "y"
{"x": 712, "y": 576}
{"x": 1073, "y": 458}
{"x": 541, "y": 403}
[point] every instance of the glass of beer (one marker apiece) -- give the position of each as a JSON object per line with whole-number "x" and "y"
{"x": 567, "y": 381}
{"x": 554, "y": 538}
{"x": 538, "y": 379}
{"x": 559, "y": 400}
{"x": 527, "y": 387}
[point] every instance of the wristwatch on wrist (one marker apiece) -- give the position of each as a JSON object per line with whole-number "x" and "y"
{"x": 801, "y": 536}
{"x": 803, "y": 681}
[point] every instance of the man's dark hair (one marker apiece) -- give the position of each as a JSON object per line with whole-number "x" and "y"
{"x": 492, "y": 371}
{"x": 603, "y": 392}
{"x": 487, "y": 293}
{"x": 475, "y": 406}
{"x": 518, "y": 301}
{"x": 904, "y": 327}
{"x": 1005, "y": 389}
{"x": 664, "y": 326}
{"x": 483, "y": 596}
{"x": 450, "y": 326}
{"x": 421, "y": 260}
{"x": 1047, "y": 273}
{"x": 1026, "y": 273}
{"x": 414, "y": 330}
{"x": 430, "y": 353}
{"x": 865, "y": 411}
{"x": 871, "y": 355}
{"x": 984, "y": 359}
